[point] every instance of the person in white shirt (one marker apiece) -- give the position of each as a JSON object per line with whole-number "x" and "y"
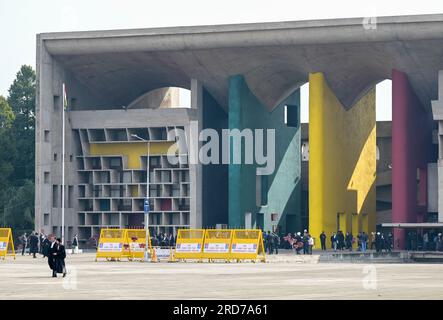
{"x": 310, "y": 243}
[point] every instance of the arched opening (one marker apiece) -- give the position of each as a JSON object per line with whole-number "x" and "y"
{"x": 163, "y": 98}
{"x": 383, "y": 103}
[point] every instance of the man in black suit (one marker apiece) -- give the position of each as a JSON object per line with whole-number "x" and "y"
{"x": 33, "y": 244}
{"x": 60, "y": 256}
{"x": 45, "y": 244}
{"x": 323, "y": 240}
{"x": 52, "y": 252}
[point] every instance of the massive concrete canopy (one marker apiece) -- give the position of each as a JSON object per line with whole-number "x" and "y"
{"x": 275, "y": 58}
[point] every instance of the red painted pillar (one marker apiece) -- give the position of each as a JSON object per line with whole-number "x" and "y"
{"x": 411, "y": 151}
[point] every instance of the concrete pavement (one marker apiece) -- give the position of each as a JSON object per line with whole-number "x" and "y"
{"x": 28, "y": 278}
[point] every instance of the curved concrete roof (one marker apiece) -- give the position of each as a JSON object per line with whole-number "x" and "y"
{"x": 275, "y": 58}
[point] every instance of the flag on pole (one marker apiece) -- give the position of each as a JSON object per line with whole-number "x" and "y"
{"x": 65, "y": 98}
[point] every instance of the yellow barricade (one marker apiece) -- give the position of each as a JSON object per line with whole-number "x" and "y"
{"x": 217, "y": 244}
{"x": 163, "y": 254}
{"x": 248, "y": 244}
{"x": 136, "y": 240}
{"x": 189, "y": 244}
{"x": 113, "y": 244}
{"x": 6, "y": 243}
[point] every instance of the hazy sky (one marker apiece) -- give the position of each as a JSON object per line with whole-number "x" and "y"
{"x": 21, "y": 20}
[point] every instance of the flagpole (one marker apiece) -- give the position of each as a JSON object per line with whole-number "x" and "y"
{"x": 63, "y": 165}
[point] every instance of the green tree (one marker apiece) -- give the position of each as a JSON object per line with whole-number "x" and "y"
{"x": 19, "y": 207}
{"x": 17, "y": 152}
{"x": 7, "y": 151}
{"x": 22, "y": 97}
{"x": 22, "y": 101}
{"x": 6, "y": 115}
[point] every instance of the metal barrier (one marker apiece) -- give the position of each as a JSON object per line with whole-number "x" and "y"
{"x": 220, "y": 244}
{"x": 6, "y": 243}
{"x": 189, "y": 244}
{"x": 163, "y": 254}
{"x": 217, "y": 244}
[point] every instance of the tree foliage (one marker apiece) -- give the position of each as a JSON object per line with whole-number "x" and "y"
{"x": 17, "y": 152}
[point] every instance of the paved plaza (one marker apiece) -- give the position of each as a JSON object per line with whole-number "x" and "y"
{"x": 27, "y": 278}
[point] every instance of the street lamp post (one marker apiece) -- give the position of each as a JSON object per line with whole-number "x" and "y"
{"x": 146, "y": 206}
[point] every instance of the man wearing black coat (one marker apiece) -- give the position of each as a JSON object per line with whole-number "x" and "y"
{"x": 52, "y": 252}
{"x": 323, "y": 240}
{"x": 60, "y": 266}
{"x": 58, "y": 253}
{"x": 341, "y": 240}
{"x": 56, "y": 258}
{"x": 33, "y": 244}
{"x": 44, "y": 245}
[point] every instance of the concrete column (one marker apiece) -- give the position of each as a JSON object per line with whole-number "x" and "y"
{"x": 440, "y": 190}
{"x": 195, "y": 168}
{"x": 43, "y": 150}
{"x": 282, "y": 182}
{"x": 342, "y": 160}
{"x": 411, "y": 151}
{"x": 437, "y": 111}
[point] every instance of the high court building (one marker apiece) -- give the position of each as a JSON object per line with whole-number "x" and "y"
{"x": 343, "y": 171}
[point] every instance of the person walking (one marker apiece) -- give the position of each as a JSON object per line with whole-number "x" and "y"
{"x": 75, "y": 244}
{"x": 378, "y": 242}
{"x": 266, "y": 240}
{"x": 348, "y": 241}
{"x": 305, "y": 242}
{"x": 334, "y": 241}
{"x": 389, "y": 242}
{"x": 59, "y": 260}
{"x": 323, "y": 240}
{"x": 276, "y": 242}
{"x": 341, "y": 240}
{"x": 40, "y": 241}
{"x": 364, "y": 241}
{"x": 310, "y": 243}
{"x": 33, "y": 244}
{"x": 56, "y": 258}
{"x": 425, "y": 241}
{"x": 270, "y": 241}
{"x": 52, "y": 252}
{"x": 44, "y": 245}
{"x": 438, "y": 242}
{"x": 298, "y": 243}
{"x": 24, "y": 242}
{"x": 373, "y": 240}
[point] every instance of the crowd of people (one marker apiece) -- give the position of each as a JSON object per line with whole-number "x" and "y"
{"x": 378, "y": 241}
{"x": 339, "y": 241}
{"x": 49, "y": 247}
{"x": 297, "y": 242}
{"x": 428, "y": 241}
{"x": 163, "y": 240}
{"x": 39, "y": 243}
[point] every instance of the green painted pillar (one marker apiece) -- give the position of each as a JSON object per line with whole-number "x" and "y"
{"x": 281, "y": 190}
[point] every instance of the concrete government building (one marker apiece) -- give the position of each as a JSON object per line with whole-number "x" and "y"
{"x": 344, "y": 171}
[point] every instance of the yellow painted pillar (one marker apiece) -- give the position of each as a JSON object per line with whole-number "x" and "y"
{"x": 342, "y": 160}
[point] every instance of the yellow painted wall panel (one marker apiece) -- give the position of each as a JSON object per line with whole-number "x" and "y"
{"x": 342, "y": 161}
{"x": 133, "y": 151}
